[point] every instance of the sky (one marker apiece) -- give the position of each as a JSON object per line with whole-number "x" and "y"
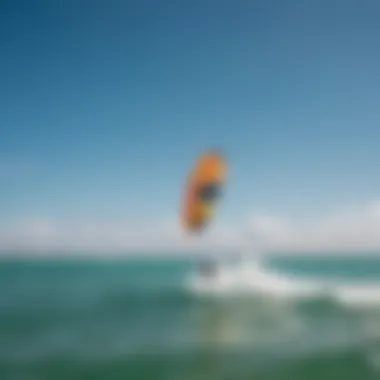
{"x": 105, "y": 105}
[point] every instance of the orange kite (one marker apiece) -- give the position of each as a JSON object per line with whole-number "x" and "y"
{"x": 203, "y": 190}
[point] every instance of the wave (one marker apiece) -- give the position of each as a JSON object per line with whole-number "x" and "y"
{"x": 251, "y": 278}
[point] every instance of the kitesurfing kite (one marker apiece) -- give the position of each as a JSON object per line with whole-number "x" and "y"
{"x": 203, "y": 190}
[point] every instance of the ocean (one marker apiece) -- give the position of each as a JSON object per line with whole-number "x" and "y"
{"x": 135, "y": 319}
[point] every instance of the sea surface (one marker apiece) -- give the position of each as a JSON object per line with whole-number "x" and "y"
{"x": 135, "y": 319}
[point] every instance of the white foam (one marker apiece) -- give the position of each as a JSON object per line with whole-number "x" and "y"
{"x": 360, "y": 294}
{"x": 250, "y": 277}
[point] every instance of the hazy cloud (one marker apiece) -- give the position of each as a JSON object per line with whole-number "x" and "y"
{"x": 351, "y": 229}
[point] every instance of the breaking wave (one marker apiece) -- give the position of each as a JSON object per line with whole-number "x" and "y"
{"x": 252, "y": 278}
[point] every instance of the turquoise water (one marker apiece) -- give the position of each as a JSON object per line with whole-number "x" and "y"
{"x": 134, "y": 319}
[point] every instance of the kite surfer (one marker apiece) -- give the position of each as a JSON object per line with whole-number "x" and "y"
{"x": 207, "y": 269}
{"x": 201, "y": 196}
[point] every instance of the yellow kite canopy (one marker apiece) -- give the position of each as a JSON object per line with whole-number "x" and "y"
{"x": 203, "y": 190}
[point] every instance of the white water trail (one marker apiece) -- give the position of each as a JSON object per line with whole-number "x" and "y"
{"x": 249, "y": 276}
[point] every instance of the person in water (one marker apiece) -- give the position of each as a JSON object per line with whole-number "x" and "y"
{"x": 207, "y": 268}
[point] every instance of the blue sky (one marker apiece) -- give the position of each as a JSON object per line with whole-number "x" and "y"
{"x": 104, "y": 105}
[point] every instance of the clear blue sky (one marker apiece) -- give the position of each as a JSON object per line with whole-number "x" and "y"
{"x": 105, "y": 104}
